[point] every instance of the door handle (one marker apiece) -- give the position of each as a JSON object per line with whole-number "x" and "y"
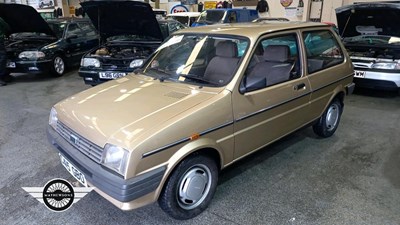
{"x": 299, "y": 87}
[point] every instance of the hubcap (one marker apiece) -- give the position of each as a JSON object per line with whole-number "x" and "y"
{"x": 332, "y": 117}
{"x": 194, "y": 186}
{"x": 59, "y": 65}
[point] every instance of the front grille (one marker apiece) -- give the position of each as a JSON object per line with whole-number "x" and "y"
{"x": 86, "y": 147}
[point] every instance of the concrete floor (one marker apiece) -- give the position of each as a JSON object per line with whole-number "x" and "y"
{"x": 351, "y": 178}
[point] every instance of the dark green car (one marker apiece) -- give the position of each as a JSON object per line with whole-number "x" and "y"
{"x": 39, "y": 46}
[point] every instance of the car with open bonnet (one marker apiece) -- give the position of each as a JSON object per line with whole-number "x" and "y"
{"x": 207, "y": 97}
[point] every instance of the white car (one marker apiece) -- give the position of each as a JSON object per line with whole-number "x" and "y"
{"x": 185, "y": 17}
{"x": 48, "y": 3}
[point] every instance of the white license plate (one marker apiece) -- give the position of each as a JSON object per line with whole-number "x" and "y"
{"x": 10, "y": 65}
{"x": 359, "y": 74}
{"x": 73, "y": 171}
{"x": 111, "y": 75}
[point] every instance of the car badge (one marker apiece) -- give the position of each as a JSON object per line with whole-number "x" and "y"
{"x": 74, "y": 139}
{"x": 114, "y": 67}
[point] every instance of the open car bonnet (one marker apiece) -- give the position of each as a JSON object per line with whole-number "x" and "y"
{"x": 24, "y": 18}
{"x": 369, "y": 19}
{"x": 112, "y": 18}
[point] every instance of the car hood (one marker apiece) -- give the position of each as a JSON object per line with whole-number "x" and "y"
{"x": 358, "y": 19}
{"x": 117, "y": 17}
{"x": 123, "y": 110}
{"x": 11, "y": 14}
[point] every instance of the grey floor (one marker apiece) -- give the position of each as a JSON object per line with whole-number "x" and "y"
{"x": 351, "y": 178}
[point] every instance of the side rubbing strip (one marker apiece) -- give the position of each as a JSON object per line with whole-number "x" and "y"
{"x": 184, "y": 140}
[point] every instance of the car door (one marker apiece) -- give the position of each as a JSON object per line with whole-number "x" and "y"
{"x": 273, "y": 97}
{"x": 325, "y": 66}
{"x": 74, "y": 37}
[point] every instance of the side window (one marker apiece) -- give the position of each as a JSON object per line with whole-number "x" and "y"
{"x": 73, "y": 29}
{"x": 322, "y": 50}
{"x": 275, "y": 60}
{"x": 87, "y": 29}
{"x": 232, "y": 17}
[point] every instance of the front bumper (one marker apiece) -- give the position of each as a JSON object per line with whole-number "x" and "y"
{"x": 378, "y": 79}
{"x": 92, "y": 77}
{"x": 110, "y": 184}
{"x": 33, "y": 67}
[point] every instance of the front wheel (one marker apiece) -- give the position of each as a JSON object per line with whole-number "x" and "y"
{"x": 329, "y": 121}
{"x": 58, "y": 67}
{"x": 190, "y": 188}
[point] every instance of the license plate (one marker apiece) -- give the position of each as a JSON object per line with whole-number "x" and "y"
{"x": 359, "y": 74}
{"x": 10, "y": 65}
{"x": 111, "y": 75}
{"x": 73, "y": 171}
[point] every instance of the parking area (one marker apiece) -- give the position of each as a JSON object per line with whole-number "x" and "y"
{"x": 350, "y": 178}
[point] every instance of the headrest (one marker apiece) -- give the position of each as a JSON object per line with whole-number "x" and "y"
{"x": 226, "y": 49}
{"x": 276, "y": 53}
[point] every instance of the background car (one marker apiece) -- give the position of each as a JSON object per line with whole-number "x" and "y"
{"x": 131, "y": 33}
{"x": 371, "y": 34}
{"x": 280, "y": 19}
{"x": 37, "y": 46}
{"x": 187, "y": 18}
{"x": 214, "y": 16}
{"x": 44, "y": 3}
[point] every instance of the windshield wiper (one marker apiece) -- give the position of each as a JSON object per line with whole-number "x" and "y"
{"x": 162, "y": 78}
{"x": 192, "y": 77}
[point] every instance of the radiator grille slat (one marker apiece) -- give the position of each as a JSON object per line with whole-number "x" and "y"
{"x": 85, "y": 146}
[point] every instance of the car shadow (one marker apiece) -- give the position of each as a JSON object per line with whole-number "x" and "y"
{"x": 376, "y": 93}
{"x": 32, "y": 78}
{"x": 265, "y": 153}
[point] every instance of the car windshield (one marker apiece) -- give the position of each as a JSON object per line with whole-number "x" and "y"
{"x": 197, "y": 58}
{"x": 211, "y": 16}
{"x": 58, "y": 28}
{"x": 373, "y": 40}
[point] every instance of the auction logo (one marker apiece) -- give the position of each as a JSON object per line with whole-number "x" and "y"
{"x": 58, "y": 194}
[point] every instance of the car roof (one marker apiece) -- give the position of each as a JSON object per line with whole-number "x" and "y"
{"x": 67, "y": 19}
{"x": 251, "y": 30}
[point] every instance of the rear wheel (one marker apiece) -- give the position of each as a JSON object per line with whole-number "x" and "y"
{"x": 190, "y": 188}
{"x": 58, "y": 66}
{"x": 329, "y": 121}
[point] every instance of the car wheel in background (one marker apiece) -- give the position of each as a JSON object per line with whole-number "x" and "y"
{"x": 190, "y": 187}
{"x": 58, "y": 66}
{"x": 329, "y": 121}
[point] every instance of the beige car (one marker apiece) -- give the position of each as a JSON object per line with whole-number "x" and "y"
{"x": 206, "y": 98}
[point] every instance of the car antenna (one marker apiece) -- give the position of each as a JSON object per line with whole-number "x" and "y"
{"x": 347, "y": 22}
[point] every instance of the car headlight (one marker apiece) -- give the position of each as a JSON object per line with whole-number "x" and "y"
{"x": 86, "y": 62}
{"x": 136, "y": 63}
{"x": 115, "y": 158}
{"x": 386, "y": 65}
{"x": 31, "y": 55}
{"x": 53, "y": 118}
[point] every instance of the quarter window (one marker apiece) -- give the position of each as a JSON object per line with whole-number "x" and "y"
{"x": 275, "y": 60}
{"x": 322, "y": 50}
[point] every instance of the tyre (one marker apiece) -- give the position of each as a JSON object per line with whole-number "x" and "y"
{"x": 190, "y": 187}
{"x": 329, "y": 121}
{"x": 58, "y": 66}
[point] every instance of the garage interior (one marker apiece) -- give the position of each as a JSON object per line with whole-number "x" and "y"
{"x": 351, "y": 178}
